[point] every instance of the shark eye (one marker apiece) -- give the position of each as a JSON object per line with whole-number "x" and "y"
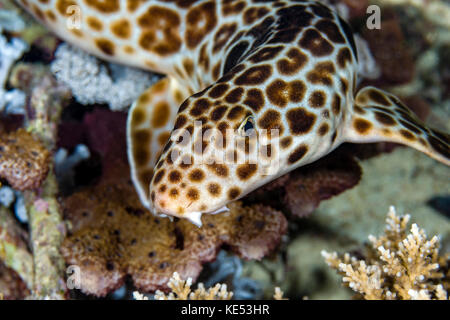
{"x": 247, "y": 126}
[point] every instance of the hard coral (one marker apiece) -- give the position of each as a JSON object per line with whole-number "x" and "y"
{"x": 91, "y": 81}
{"x": 181, "y": 290}
{"x": 24, "y": 162}
{"x": 397, "y": 265}
{"x": 113, "y": 237}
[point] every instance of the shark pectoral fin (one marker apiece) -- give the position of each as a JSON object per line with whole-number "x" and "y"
{"x": 150, "y": 121}
{"x": 379, "y": 116}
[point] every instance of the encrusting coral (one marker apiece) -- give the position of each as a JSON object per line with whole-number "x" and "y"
{"x": 24, "y": 161}
{"x": 113, "y": 238}
{"x": 397, "y": 265}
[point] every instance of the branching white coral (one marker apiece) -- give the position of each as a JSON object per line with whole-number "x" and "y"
{"x": 397, "y": 265}
{"x": 92, "y": 81}
{"x": 11, "y": 101}
{"x": 181, "y": 290}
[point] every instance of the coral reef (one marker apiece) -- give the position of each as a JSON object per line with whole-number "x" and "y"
{"x": 92, "y": 81}
{"x": 397, "y": 265}
{"x": 46, "y": 101}
{"x": 342, "y": 224}
{"x": 28, "y": 151}
{"x": 113, "y": 238}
